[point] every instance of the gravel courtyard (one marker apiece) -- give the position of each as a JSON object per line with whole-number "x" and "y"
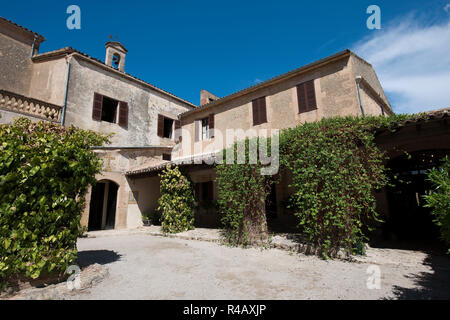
{"x": 149, "y": 267}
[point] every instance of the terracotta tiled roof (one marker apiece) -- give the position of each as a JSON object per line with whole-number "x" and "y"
{"x": 69, "y": 50}
{"x": 210, "y": 157}
{"x": 37, "y": 35}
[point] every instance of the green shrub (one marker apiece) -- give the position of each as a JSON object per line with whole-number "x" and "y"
{"x": 176, "y": 203}
{"x": 45, "y": 170}
{"x": 241, "y": 199}
{"x": 439, "y": 198}
{"x": 336, "y": 167}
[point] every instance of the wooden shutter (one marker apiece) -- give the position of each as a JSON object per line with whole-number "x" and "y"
{"x": 160, "y": 126}
{"x": 306, "y": 96}
{"x": 301, "y": 95}
{"x": 178, "y": 130}
{"x": 211, "y": 125}
{"x": 197, "y": 125}
{"x": 123, "y": 114}
{"x": 262, "y": 110}
{"x": 259, "y": 111}
{"x": 310, "y": 95}
{"x": 255, "y": 109}
{"x": 97, "y": 107}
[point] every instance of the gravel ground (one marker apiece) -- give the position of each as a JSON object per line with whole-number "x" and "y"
{"x": 148, "y": 267}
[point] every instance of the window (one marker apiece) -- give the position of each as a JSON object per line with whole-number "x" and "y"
{"x": 109, "y": 109}
{"x": 306, "y": 97}
{"x": 168, "y": 123}
{"x": 165, "y": 126}
{"x": 259, "y": 111}
{"x": 167, "y": 157}
{"x": 205, "y": 129}
{"x": 204, "y": 191}
{"x": 105, "y": 109}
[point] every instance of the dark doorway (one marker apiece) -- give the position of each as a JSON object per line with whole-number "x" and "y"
{"x": 102, "y": 212}
{"x": 410, "y": 224}
{"x": 273, "y": 223}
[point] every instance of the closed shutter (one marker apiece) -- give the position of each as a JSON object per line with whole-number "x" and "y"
{"x": 255, "y": 109}
{"x": 262, "y": 110}
{"x": 301, "y": 95}
{"x": 160, "y": 126}
{"x": 197, "y": 130}
{"x": 178, "y": 130}
{"x": 259, "y": 111}
{"x": 311, "y": 95}
{"x": 123, "y": 114}
{"x": 306, "y": 96}
{"x": 211, "y": 125}
{"x": 97, "y": 107}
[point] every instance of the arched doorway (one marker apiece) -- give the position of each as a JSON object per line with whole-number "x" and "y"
{"x": 102, "y": 211}
{"x": 409, "y": 223}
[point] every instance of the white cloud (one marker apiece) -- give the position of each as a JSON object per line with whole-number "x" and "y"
{"x": 412, "y": 62}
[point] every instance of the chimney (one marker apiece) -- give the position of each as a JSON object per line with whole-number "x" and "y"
{"x": 207, "y": 97}
{"x": 115, "y": 55}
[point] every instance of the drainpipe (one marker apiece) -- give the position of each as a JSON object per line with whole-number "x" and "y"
{"x": 358, "y": 81}
{"x": 32, "y": 47}
{"x": 63, "y": 116}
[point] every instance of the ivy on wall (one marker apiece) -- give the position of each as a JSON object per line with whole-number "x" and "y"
{"x": 439, "y": 198}
{"x": 176, "y": 204}
{"x": 335, "y": 166}
{"x": 45, "y": 171}
{"x": 242, "y": 191}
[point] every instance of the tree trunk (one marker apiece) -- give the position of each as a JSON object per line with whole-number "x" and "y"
{"x": 254, "y": 229}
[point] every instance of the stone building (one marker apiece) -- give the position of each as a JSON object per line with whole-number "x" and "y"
{"x": 69, "y": 87}
{"x": 153, "y": 128}
{"x": 342, "y": 84}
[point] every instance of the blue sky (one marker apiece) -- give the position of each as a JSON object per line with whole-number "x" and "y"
{"x": 225, "y": 46}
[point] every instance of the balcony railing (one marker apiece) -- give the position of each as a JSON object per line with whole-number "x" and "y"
{"x": 28, "y": 106}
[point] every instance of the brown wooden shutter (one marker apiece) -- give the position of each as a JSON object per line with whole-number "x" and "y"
{"x": 123, "y": 114}
{"x": 306, "y": 96}
{"x": 160, "y": 126}
{"x": 97, "y": 107}
{"x": 255, "y": 109}
{"x": 310, "y": 95}
{"x": 262, "y": 110}
{"x": 197, "y": 126}
{"x": 211, "y": 125}
{"x": 301, "y": 95}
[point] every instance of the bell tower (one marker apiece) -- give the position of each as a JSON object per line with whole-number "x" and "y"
{"x": 115, "y": 55}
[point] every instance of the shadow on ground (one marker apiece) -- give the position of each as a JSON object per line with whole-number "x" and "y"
{"x": 430, "y": 286}
{"x": 102, "y": 257}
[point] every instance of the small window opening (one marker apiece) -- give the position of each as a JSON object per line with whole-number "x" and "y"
{"x": 167, "y": 157}
{"x": 205, "y": 129}
{"x": 116, "y": 60}
{"x": 109, "y": 110}
{"x": 168, "y": 124}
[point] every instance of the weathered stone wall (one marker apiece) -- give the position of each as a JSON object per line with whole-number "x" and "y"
{"x": 48, "y": 81}
{"x": 336, "y": 95}
{"x": 15, "y": 60}
{"x": 144, "y": 105}
{"x": 365, "y": 70}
